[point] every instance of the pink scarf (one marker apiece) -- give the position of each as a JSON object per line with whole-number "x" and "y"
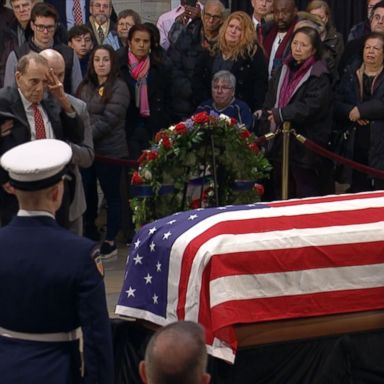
{"x": 139, "y": 71}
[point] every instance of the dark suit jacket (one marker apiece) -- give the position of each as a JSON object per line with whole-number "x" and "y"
{"x": 63, "y": 126}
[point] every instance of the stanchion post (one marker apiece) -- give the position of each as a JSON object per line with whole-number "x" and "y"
{"x": 286, "y": 131}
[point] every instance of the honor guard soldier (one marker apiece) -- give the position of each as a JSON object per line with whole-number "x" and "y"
{"x": 51, "y": 281}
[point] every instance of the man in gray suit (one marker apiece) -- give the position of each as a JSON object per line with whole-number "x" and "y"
{"x": 83, "y": 154}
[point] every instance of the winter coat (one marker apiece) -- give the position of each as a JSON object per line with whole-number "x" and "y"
{"x": 140, "y": 130}
{"x": 348, "y": 95}
{"x": 108, "y": 119}
{"x": 185, "y": 52}
{"x": 308, "y": 111}
{"x": 251, "y": 75}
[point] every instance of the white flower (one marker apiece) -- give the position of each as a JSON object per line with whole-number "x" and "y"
{"x": 225, "y": 118}
{"x": 147, "y": 175}
{"x": 172, "y": 127}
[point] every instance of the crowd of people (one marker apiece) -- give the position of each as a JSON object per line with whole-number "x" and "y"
{"x": 124, "y": 80}
{"x": 98, "y": 86}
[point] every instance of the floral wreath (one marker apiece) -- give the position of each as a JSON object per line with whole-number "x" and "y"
{"x": 186, "y": 154}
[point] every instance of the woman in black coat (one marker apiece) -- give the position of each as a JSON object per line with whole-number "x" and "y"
{"x": 239, "y": 53}
{"x": 148, "y": 76}
{"x": 359, "y": 110}
{"x": 300, "y": 93}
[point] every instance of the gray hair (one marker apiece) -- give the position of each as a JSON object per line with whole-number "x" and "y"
{"x": 23, "y": 63}
{"x": 225, "y": 76}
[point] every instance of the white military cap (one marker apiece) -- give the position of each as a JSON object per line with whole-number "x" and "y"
{"x": 37, "y": 164}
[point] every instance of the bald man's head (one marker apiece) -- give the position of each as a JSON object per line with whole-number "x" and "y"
{"x": 55, "y": 61}
{"x": 176, "y": 354}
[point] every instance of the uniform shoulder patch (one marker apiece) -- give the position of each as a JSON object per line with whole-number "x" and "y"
{"x": 98, "y": 261}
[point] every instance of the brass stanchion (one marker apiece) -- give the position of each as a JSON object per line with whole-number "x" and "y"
{"x": 285, "y": 160}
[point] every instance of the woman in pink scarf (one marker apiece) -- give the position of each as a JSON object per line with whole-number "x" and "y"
{"x": 301, "y": 94}
{"x": 148, "y": 79}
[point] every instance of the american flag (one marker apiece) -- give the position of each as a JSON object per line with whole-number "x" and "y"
{"x": 259, "y": 262}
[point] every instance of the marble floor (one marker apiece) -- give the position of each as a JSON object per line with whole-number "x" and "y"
{"x": 113, "y": 277}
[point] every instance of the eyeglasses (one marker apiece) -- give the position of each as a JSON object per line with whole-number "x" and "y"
{"x": 127, "y": 25}
{"x": 42, "y": 27}
{"x": 98, "y": 5}
{"x": 219, "y": 88}
{"x": 209, "y": 16}
{"x": 378, "y": 18}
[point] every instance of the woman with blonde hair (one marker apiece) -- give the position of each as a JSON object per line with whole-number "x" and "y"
{"x": 237, "y": 51}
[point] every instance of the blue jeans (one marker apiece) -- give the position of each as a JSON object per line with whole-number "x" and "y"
{"x": 109, "y": 178}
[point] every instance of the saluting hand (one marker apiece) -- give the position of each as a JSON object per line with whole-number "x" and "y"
{"x": 56, "y": 88}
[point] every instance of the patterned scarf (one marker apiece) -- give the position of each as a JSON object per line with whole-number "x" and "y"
{"x": 139, "y": 71}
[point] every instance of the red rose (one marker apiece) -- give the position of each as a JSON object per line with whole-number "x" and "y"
{"x": 253, "y": 147}
{"x": 233, "y": 121}
{"x": 151, "y": 155}
{"x": 136, "y": 178}
{"x": 201, "y": 117}
{"x": 259, "y": 188}
{"x": 142, "y": 157}
{"x": 181, "y": 128}
{"x": 244, "y": 134}
{"x": 160, "y": 135}
{"x": 166, "y": 142}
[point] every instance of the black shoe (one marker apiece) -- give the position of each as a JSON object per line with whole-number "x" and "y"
{"x": 108, "y": 251}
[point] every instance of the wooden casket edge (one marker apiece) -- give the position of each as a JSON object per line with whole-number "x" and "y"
{"x": 253, "y": 334}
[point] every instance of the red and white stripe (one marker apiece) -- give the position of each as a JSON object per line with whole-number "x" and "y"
{"x": 299, "y": 258}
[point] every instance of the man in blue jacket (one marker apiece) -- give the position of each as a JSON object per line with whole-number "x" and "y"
{"x": 51, "y": 281}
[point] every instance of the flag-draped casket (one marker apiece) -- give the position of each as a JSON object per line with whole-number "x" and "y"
{"x": 255, "y": 263}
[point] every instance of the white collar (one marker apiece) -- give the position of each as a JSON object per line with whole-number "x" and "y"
{"x": 27, "y": 213}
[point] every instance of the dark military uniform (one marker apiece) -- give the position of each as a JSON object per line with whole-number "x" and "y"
{"x": 50, "y": 285}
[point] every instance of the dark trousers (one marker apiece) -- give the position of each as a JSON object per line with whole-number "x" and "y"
{"x": 302, "y": 182}
{"x": 109, "y": 179}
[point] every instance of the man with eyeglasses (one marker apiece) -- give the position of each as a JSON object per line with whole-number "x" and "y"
{"x": 362, "y": 28}
{"x": 44, "y": 22}
{"x": 188, "y": 44}
{"x": 102, "y": 27}
{"x": 223, "y": 100}
{"x": 353, "y": 51}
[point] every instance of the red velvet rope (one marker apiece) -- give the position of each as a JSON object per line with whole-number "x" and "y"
{"x": 123, "y": 162}
{"x": 340, "y": 159}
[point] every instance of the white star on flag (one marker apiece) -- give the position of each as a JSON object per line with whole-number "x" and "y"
{"x": 138, "y": 259}
{"x": 192, "y": 217}
{"x": 158, "y": 266}
{"x": 152, "y": 246}
{"x": 166, "y": 235}
{"x": 137, "y": 243}
{"x": 131, "y": 292}
{"x": 155, "y": 299}
{"x": 148, "y": 279}
{"x": 171, "y": 222}
{"x": 152, "y": 231}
